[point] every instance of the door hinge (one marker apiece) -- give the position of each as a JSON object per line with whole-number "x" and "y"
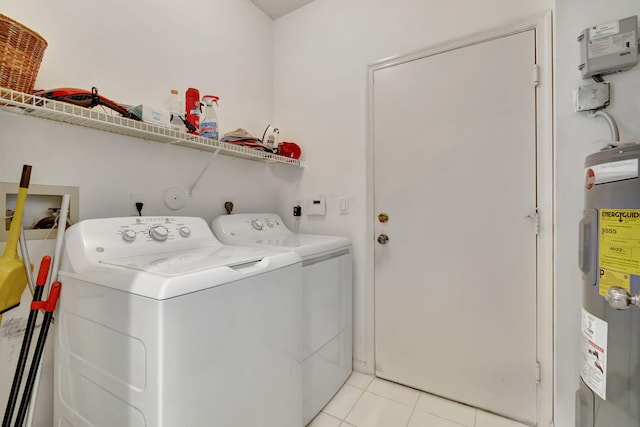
{"x": 535, "y": 217}
{"x": 536, "y": 75}
{"x": 538, "y": 372}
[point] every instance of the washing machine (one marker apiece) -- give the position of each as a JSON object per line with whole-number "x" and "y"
{"x": 161, "y": 325}
{"x": 327, "y": 298}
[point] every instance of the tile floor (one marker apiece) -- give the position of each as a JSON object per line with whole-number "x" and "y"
{"x": 366, "y": 401}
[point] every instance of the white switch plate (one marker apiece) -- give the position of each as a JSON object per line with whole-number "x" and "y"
{"x": 343, "y": 204}
{"x": 317, "y": 206}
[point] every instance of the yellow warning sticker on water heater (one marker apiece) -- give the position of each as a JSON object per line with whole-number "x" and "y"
{"x": 609, "y": 278}
{"x": 619, "y": 249}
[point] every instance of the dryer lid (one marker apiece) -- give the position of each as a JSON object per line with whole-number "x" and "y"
{"x": 305, "y": 245}
{"x": 268, "y": 230}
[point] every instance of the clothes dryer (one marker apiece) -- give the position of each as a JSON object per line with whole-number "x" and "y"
{"x": 327, "y": 298}
{"x": 161, "y": 325}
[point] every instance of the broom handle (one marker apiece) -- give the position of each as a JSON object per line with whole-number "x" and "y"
{"x": 11, "y": 250}
{"x": 62, "y": 226}
{"x": 57, "y": 255}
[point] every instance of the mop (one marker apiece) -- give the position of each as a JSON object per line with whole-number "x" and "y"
{"x": 33, "y": 379}
{"x": 24, "y": 350}
{"x": 48, "y": 307}
{"x": 26, "y": 342}
{"x": 13, "y": 276}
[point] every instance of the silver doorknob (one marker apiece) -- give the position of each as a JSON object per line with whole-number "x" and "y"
{"x": 383, "y": 239}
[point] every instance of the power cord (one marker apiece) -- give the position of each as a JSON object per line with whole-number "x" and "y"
{"x": 139, "y": 208}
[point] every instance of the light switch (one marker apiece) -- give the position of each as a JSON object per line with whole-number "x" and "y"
{"x": 343, "y": 205}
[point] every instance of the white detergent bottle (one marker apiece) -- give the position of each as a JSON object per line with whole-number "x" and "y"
{"x": 174, "y": 105}
{"x": 209, "y": 120}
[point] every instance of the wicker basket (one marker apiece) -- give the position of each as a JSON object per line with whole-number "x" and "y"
{"x": 21, "y": 51}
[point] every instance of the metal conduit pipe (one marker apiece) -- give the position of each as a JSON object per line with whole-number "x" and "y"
{"x": 613, "y": 126}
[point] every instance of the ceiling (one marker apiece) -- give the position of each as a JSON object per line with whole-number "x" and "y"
{"x": 277, "y": 8}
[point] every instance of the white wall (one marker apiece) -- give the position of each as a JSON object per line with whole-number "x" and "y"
{"x": 311, "y": 79}
{"x": 578, "y": 135}
{"x": 135, "y": 52}
{"x": 321, "y": 56}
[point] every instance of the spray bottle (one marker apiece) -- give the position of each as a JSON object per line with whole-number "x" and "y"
{"x": 209, "y": 121}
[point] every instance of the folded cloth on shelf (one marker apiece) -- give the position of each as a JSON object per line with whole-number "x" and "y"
{"x": 239, "y": 133}
{"x": 244, "y": 138}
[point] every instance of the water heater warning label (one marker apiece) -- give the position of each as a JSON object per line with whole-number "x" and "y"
{"x": 611, "y": 172}
{"x": 609, "y": 278}
{"x": 619, "y": 249}
{"x": 594, "y": 353}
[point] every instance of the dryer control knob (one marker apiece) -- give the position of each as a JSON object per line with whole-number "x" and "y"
{"x": 159, "y": 233}
{"x": 257, "y": 224}
{"x": 129, "y": 235}
{"x": 184, "y": 231}
{"x": 270, "y": 223}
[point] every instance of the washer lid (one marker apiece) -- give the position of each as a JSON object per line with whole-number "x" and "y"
{"x": 190, "y": 260}
{"x": 166, "y": 275}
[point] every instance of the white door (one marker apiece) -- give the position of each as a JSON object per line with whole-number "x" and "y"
{"x": 455, "y": 171}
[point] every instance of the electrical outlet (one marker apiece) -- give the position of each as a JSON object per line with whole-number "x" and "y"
{"x": 223, "y": 203}
{"x": 136, "y": 198}
{"x": 297, "y": 208}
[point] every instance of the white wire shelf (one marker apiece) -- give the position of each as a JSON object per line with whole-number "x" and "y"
{"x": 32, "y": 105}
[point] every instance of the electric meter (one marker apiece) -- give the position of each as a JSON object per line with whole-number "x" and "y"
{"x": 609, "y": 48}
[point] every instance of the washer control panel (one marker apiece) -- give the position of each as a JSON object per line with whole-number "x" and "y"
{"x": 238, "y": 227}
{"x": 106, "y": 238}
{"x": 158, "y": 229}
{"x": 159, "y": 233}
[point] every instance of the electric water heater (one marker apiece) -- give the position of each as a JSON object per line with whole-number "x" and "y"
{"x": 609, "y": 257}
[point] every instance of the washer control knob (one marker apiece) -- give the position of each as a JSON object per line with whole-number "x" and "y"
{"x": 184, "y": 231}
{"x": 270, "y": 223}
{"x": 159, "y": 233}
{"x": 257, "y": 224}
{"x": 129, "y": 235}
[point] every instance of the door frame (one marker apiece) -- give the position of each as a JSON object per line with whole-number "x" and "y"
{"x": 542, "y": 25}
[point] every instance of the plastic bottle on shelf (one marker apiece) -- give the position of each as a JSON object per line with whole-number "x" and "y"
{"x": 209, "y": 125}
{"x": 173, "y": 104}
{"x": 193, "y": 109}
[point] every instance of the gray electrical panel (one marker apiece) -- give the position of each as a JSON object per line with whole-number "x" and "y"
{"x": 609, "y": 48}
